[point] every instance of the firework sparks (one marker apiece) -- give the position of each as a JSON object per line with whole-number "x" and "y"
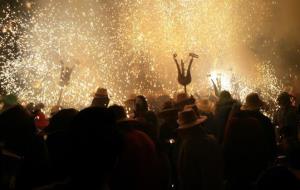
{"x": 125, "y": 46}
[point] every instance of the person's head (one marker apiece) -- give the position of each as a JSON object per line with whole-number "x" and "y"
{"x": 284, "y": 99}
{"x": 61, "y": 120}
{"x": 94, "y": 145}
{"x": 253, "y": 102}
{"x": 225, "y": 96}
{"x": 129, "y": 104}
{"x": 101, "y": 98}
{"x": 188, "y": 119}
{"x": 17, "y": 128}
{"x": 118, "y": 111}
{"x": 141, "y": 105}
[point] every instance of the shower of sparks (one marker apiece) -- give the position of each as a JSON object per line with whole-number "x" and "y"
{"x": 127, "y": 46}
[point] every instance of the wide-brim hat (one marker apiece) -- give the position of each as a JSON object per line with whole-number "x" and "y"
{"x": 188, "y": 119}
{"x": 168, "y": 110}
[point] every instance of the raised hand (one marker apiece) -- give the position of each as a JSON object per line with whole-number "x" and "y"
{"x": 217, "y": 91}
{"x": 174, "y": 56}
{"x": 193, "y": 55}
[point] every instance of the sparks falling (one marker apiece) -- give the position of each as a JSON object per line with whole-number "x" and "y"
{"x": 127, "y": 46}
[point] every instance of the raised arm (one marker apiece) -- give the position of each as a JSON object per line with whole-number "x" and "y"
{"x": 217, "y": 92}
{"x": 182, "y": 68}
{"x": 177, "y": 65}
{"x": 190, "y": 64}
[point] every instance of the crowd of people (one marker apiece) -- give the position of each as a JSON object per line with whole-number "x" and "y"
{"x": 189, "y": 144}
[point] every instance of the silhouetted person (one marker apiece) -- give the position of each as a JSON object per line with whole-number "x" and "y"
{"x": 184, "y": 78}
{"x": 249, "y": 145}
{"x": 95, "y": 147}
{"x": 200, "y": 159}
{"x": 18, "y": 135}
{"x": 168, "y": 137}
{"x": 146, "y": 117}
{"x": 119, "y": 112}
{"x": 284, "y": 176}
{"x": 205, "y": 108}
{"x": 169, "y": 125}
{"x": 65, "y": 74}
{"x": 253, "y": 107}
{"x": 59, "y": 143}
{"x": 222, "y": 112}
{"x": 286, "y": 117}
{"x": 101, "y": 98}
{"x": 139, "y": 166}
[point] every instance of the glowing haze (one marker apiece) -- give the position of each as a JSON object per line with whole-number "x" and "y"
{"x": 127, "y": 46}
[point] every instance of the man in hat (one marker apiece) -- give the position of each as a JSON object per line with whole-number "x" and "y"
{"x": 101, "y": 98}
{"x": 253, "y": 107}
{"x": 223, "y": 108}
{"x": 249, "y": 144}
{"x": 146, "y": 117}
{"x": 169, "y": 115}
{"x": 130, "y": 105}
{"x": 286, "y": 117}
{"x": 205, "y": 107}
{"x": 200, "y": 157}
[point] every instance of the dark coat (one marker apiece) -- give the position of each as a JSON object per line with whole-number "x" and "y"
{"x": 137, "y": 167}
{"x": 246, "y": 147}
{"x": 222, "y": 112}
{"x": 287, "y": 119}
{"x": 200, "y": 161}
{"x": 18, "y": 135}
{"x": 269, "y": 133}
